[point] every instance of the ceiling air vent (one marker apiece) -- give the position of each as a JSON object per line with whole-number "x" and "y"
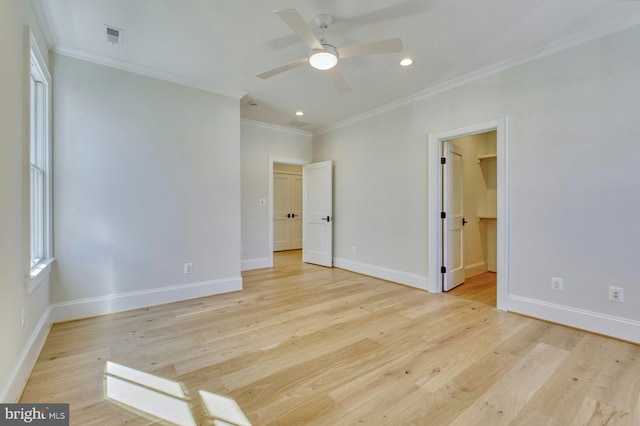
{"x": 113, "y": 35}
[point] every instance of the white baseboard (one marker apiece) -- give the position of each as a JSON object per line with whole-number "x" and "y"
{"x": 475, "y": 269}
{"x": 401, "y": 277}
{"x": 607, "y": 325}
{"x": 84, "y": 308}
{"x": 250, "y": 264}
{"x": 12, "y": 390}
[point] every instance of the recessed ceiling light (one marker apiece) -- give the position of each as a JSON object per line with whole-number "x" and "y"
{"x": 299, "y": 113}
{"x": 405, "y": 62}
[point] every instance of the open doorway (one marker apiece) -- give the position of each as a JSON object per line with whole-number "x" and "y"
{"x": 275, "y": 164}
{"x": 317, "y": 210}
{"x": 436, "y": 224}
{"x": 287, "y": 207}
{"x": 475, "y": 196}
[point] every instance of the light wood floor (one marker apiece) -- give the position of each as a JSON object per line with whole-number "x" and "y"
{"x": 306, "y": 345}
{"x": 479, "y": 288}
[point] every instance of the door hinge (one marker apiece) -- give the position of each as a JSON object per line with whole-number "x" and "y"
{"x": 443, "y": 215}
{"x": 443, "y": 269}
{"x": 443, "y": 160}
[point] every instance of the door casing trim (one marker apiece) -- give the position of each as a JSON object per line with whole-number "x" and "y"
{"x": 434, "y": 237}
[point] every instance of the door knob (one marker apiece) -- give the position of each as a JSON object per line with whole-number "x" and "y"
{"x": 464, "y": 221}
{"x": 288, "y": 214}
{"x": 326, "y": 218}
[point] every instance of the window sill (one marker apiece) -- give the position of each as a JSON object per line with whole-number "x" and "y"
{"x": 38, "y": 274}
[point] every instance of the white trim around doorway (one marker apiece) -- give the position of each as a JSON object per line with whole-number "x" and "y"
{"x": 435, "y": 187}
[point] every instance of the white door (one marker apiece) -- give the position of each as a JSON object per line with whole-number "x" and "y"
{"x": 281, "y": 212}
{"x": 317, "y": 212}
{"x": 287, "y": 212}
{"x": 296, "y": 212}
{"x": 453, "y": 220}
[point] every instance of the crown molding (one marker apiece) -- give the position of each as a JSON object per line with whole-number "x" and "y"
{"x": 275, "y": 127}
{"x": 145, "y": 71}
{"x": 553, "y": 47}
{"x": 43, "y": 17}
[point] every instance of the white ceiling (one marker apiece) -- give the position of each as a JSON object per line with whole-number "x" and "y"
{"x": 221, "y": 45}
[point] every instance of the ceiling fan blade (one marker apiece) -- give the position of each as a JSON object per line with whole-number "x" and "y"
{"x": 282, "y": 68}
{"x": 292, "y": 18}
{"x": 338, "y": 79}
{"x": 391, "y": 45}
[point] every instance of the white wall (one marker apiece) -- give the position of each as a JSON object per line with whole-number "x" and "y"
{"x": 146, "y": 178}
{"x": 259, "y": 143}
{"x": 573, "y": 189}
{"x": 380, "y": 204}
{"x": 19, "y": 345}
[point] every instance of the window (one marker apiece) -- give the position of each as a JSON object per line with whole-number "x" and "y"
{"x": 39, "y": 167}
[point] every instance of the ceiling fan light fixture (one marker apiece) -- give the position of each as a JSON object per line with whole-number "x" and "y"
{"x": 324, "y": 59}
{"x": 405, "y": 62}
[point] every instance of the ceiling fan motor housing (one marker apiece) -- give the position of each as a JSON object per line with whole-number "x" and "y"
{"x": 323, "y": 20}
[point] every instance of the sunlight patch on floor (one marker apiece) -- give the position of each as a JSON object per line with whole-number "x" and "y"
{"x": 151, "y": 396}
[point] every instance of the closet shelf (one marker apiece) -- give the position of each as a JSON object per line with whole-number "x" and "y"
{"x": 487, "y": 216}
{"x": 487, "y": 157}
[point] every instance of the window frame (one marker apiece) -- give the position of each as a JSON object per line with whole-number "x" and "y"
{"x": 39, "y": 165}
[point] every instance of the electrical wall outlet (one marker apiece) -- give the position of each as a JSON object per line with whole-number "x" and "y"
{"x": 616, "y": 294}
{"x": 188, "y": 268}
{"x": 22, "y": 320}
{"x": 353, "y": 249}
{"x": 557, "y": 284}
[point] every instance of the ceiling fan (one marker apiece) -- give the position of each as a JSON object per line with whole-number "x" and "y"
{"x": 323, "y": 55}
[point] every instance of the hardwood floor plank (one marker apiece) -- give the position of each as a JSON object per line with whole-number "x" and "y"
{"x": 451, "y": 399}
{"x": 563, "y": 394}
{"x": 480, "y": 288}
{"x": 531, "y": 417}
{"x": 613, "y": 385}
{"x": 636, "y": 412}
{"x": 451, "y": 363}
{"x": 593, "y": 412}
{"x": 300, "y": 381}
{"x": 502, "y": 403}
